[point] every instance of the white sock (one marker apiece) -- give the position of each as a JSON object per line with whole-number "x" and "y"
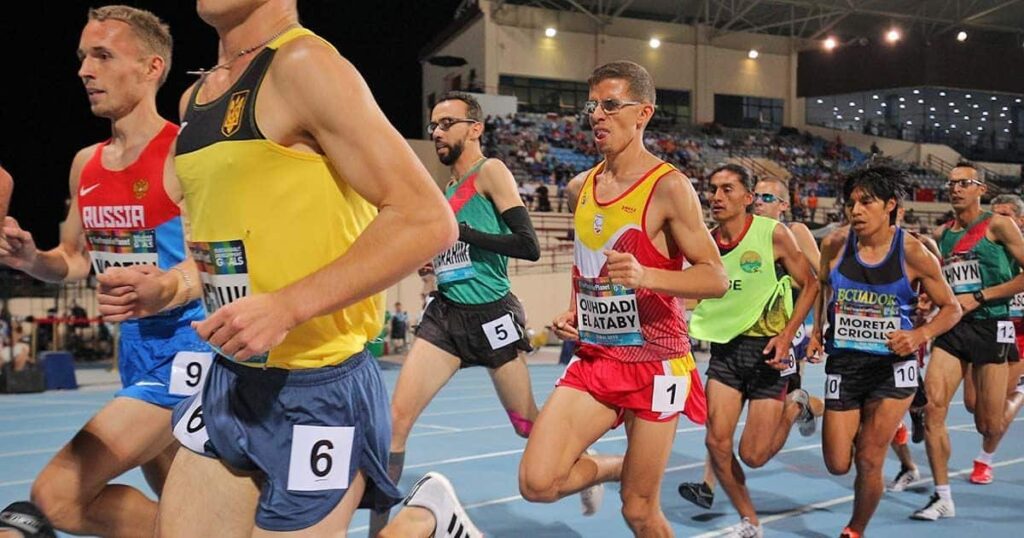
{"x": 985, "y": 457}
{"x": 945, "y": 493}
{"x": 1020, "y": 385}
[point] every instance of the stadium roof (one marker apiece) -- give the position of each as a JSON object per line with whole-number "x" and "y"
{"x": 812, "y": 19}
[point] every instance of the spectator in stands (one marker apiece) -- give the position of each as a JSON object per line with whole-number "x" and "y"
{"x": 812, "y": 205}
{"x": 14, "y": 351}
{"x": 875, "y": 150}
{"x": 910, "y": 218}
{"x": 543, "y": 201}
{"x": 399, "y": 328}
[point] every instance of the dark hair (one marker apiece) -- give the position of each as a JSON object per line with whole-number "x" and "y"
{"x": 641, "y": 84}
{"x": 882, "y": 182}
{"x": 966, "y": 164}
{"x": 473, "y": 110}
{"x": 746, "y": 176}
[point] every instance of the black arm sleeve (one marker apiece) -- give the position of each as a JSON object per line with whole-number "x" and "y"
{"x": 521, "y": 243}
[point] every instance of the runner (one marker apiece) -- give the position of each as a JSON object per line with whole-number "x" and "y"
{"x": 636, "y": 218}
{"x": 978, "y": 251}
{"x": 870, "y": 271}
{"x": 751, "y": 330}
{"x": 123, "y": 211}
{"x": 474, "y": 320}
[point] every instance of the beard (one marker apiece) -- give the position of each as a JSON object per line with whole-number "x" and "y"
{"x": 454, "y": 152}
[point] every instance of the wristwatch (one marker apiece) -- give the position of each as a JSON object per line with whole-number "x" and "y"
{"x": 979, "y": 296}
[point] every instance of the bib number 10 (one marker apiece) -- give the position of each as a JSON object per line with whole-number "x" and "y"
{"x": 320, "y": 457}
{"x": 670, "y": 393}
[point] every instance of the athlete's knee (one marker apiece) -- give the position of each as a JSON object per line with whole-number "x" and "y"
{"x": 522, "y": 425}
{"x": 869, "y": 463}
{"x": 640, "y": 510}
{"x": 718, "y": 444}
{"x": 58, "y": 504}
{"x": 969, "y": 404}
{"x": 837, "y": 463}
{"x": 537, "y": 486}
{"x": 754, "y": 456}
{"x": 988, "y": 426}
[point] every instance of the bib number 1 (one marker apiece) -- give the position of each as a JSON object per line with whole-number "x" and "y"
{"x": 670, "y": 393}
{"x": 320, "y": 457}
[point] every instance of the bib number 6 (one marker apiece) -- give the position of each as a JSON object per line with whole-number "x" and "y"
{"x": 320, "y": 457}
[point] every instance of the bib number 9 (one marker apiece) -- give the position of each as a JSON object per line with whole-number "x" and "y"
{"x": 188, "y": 372}
{"x": 320, "y": 457}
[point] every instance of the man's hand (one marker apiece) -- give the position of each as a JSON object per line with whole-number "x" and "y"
{"x": 565, "y": 326}
{"x": 777, "y": 351}
{"x": 132, "y": 292}
{"x": 815, "y": 351}
{"x": 904, "y": 343}
{"x": 18, "y": 248}
{"x": 624, "y": 269}
{"x": 247, "y": 327}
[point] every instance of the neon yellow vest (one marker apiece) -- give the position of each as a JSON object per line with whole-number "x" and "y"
{"x": 753, "y": 286}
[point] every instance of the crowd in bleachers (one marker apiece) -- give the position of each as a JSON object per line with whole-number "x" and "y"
{"x": 545, "y": 151}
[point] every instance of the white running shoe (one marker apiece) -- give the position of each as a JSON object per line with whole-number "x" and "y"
{"x": 435, "y": 493}
{"x": 805, "y": 421}
{"x": 903, "y": 479}
{"x": 936, "y": 508}
{"x": 746, "y": 529}
{"x": 591, "y": 497}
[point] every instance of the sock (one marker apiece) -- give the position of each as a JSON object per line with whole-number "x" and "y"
{"x": 945, "y": 493}
{"x": 985, "y": 457}
{"x": 379, "y": 520}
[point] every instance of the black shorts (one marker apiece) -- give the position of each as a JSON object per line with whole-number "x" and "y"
{"x": 852, "y": 379}
{"x": 740, "y": 364}
{"x": 974, "y": 341}
{"x": 488, "y": 334}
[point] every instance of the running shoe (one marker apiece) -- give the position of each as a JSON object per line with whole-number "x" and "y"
{"x": 982, "y": 473}
{"x": 805, "y": 420}
{"x": 903, "y": 479}
{"x": 435, "y": 493}
{"x": 849, "y": 533}
{"x": 698, "y": 493}
{"x": 24, "y": 518}
{"x": 746, "y": 529}
{"x": 917, "y": 425}
{"x": 935, "y": 509}
{"x": 591, "y": 497}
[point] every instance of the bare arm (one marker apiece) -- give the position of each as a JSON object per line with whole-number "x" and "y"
{"x": 1007, "y": 234}
{"x": 333, "y": 104}
{"x": 6, "y": 188}
{"x": 797, "y": 266}
{"x": 806, "y": 242}
{"x": 564, "y": 324}
{"x": 924, "y": 269}
{"x": 706, "y": 277}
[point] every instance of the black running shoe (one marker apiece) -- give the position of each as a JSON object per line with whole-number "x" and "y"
{"x": 699, "y": 494}
{"x": 25, "y": 518}
{"x": 917, "y": 425}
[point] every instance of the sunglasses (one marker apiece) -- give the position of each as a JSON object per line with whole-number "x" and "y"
{"x": 962, "y": 183}
{"x": 609, "y": 106}
{"x": 766, "y": 197}
{"x": 446, "y": 123}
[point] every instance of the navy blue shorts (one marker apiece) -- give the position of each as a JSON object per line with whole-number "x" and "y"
{"x": 161, "y": 359}
{"x": 307, "y": 431}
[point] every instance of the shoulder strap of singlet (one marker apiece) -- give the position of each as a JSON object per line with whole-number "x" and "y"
{"x": 588, "y": 182}
{"x": 973, "y": 235}
{"x": 466, "y": 189}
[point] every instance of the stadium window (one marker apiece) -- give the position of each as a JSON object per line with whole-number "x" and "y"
{"x": 748, "y": 112}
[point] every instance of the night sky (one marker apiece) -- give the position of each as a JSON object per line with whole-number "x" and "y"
{"x": 44, "y": 114}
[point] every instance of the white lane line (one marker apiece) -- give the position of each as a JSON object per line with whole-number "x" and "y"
{"x": 841, "y": 500}
{"x": 41, "y": 430}
{"x": 28, "y": 452}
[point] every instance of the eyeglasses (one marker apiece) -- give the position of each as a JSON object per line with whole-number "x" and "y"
{"x": 446, "y": 123}
{"x": 609, "y": 106}
{"x": 962, "y": 183}
{"x": 766, "y": 197}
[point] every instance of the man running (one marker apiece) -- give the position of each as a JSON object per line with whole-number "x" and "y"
{"x": 978, "y": 250}
{"x": 636, "y": 219}
{"x": 869, "y": 273}
{"x": 474, "y": 320}
{"x": 751, "y": 330}
{"x": 124, "y": 211}
{"x": 1007, "y": 205}
{"x": 295, "y": 182}
{"x": 770, "y": 201}
{"x": 6, "y": 188}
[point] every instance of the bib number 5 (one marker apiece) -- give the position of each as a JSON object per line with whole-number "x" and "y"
{"x": 320, "y": 457}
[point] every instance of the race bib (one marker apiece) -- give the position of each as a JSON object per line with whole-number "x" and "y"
{"x": 190, "y": 430}
{"x": 1017, "y": 306}
{"x": 188, "y": 372}
{"x": 963, "y": 272}
{"x": 121, "y": 248}
{"x": 864, "y": 331}
{"x": 832, "y": 384}
{"x": 670, "y": 393}
{"x": 791, "y": 363}
{"x": 454, "y": 264}
{"x": 224, "y": 273}
{"x": 320, "y": 457}
{"x": 501, "y": 332}
{"x": 607, "y": 313}
{"x": 1005, "y": 333}
{"x": 905, "y": 374}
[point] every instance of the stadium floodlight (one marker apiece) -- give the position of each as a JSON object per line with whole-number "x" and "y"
{"x": 550, "y": 31}
{"x": 654, "y": 42}
{"x": 831, "y": 43}
{"x": 753, "y": 54}
{"x": 893, "y": 35}
{"x": 961, "y": 36}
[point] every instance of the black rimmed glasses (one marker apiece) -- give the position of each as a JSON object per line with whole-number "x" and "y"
{"x": 446, "y": 123}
